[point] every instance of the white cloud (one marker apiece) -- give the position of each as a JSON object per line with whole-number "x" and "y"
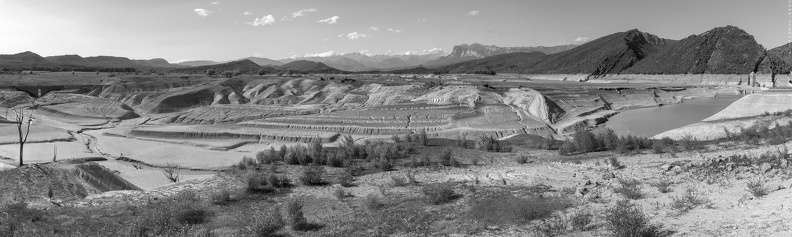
{"x": 389, "y": 52}
{"x": 341, "y": 35}
{"x": 355, "y": 35}
{"x": 425, "y": 52}
{"x": 215, "y": 3}
{"x": 321, "y": 55}
{"x": 366, "y": 52}
{"x": 393, "y": 30}
{"x": 202, "y": 12}
{"x": 331, "y": 20}
{"x": 580, "y": 40}
{"x": 419, "y": 21}
{"x": 247, "y": 13}
{"x": 473, "y": 13}
{"x": 303, "y": 12}
{"x": 374, "y": 28}
{"x": 264, "y": 20}
{"x": 326, "y": 39}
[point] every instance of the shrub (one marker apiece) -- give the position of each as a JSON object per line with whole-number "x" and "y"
{"x": 552, "y": 226}
{"x": 447, "y": 158}
{"x": 279, "y": 181}
{"x": 757, "y": 187}
{"x": 373, "y": 202}
{"x": 688, "y": 200}
{"x": 509, "y": 209}
{"x": 581, "y": 220}
{"x": 312, "y": 176}
{"x": 626, "y": 220}
{"x": 630, "y": 188}
{"x": 521, "y": 159}
{"x": 192, "y": 216}
{"x": 567, "y": 148}
{"x": 439, "y": 193}
{"x": 295, "y": 214}
{"x": 340, "y": 193}
{"x": 267, "y": 156}
{"x": 689, "y": 143}
{"x": 613, "y": 162}
{"x": 258, "y": 183}
{"x": 346, "y": 179}
{"x": 399, "y": 181}
{"x": 221, "y": 197}
{"x": 396, "y": 138}
{"x": 247, "y": 163}
{"x": 663, "y": 185}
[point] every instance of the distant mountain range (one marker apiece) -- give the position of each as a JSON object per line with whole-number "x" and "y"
{"x": 723, "y": 50}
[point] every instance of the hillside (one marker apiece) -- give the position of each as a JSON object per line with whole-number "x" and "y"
{"x": 243, "y": 66}
{"x": 263, "y": 61}
{"x": 66, "y": 181}
{"x": 777, "y": 60}
{"x": 607, "y": 55}
{"x": 723, "y": 50}
{"x": 24, "y": 59}
{"x": 304, "y": 66}
{"x": 108, "y": 62}
{"x": 482, "y": 51}
{"x": 198, "y": 63}
{"x": 512, "y": 62}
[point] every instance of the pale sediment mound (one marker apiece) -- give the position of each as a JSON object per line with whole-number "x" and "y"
{"x": 716, "y": 130}
{"x": 466, "y": 95}
{"x": 229, "y": 132}
{"x": 67, "y": 181}
{"x": 232, "y": 114}
{"x": 533, "y": 103}
{"x": 754, "y": 105}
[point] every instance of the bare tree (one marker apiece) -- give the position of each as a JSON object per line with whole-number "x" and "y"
{"x": 171, "y": 171}
{"x": 20, "y": 121}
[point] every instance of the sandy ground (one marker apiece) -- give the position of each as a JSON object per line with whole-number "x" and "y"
{"x": 43, "y": 152}
{"x": 148, "y": 178}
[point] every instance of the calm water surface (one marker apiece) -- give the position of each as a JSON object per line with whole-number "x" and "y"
{"x": 655, "y": 120}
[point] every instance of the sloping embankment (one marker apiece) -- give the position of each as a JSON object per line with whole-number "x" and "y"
{"x": 66, "y": 181}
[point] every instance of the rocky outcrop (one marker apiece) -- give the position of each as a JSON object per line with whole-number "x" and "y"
{"x": 533, "y": 103}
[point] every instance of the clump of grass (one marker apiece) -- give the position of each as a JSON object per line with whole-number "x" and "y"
{"x": 627, "y": 220}
{"x": 757, "y": 187}
{"x": 312, "y": 176}
{"x": 439, "y": 193}
{"x": 297, "y": 218}
{"x": 663, "y": 185}
{"x": 630, "y": 188}
{"x": 688, "y": 200}
{"x": 581, "y": 220}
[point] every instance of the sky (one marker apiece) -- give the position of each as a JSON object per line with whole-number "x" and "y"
{"x": 179, "y": 30}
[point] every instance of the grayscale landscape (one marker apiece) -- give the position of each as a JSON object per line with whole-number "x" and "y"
{"x": 335, "y": 121}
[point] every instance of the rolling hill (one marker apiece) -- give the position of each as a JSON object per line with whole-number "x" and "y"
{"x": 723, "y": 50}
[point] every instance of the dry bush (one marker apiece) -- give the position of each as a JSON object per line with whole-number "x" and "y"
{"x": 312, "y": 176}
{"x": 247, "y": 163}
{"x": 258, "y": 183}
{"x": 552, "y": 226}
{"x": 663, "y": 185}
{"x": 441, "y": 193}
{"x": 757, "y": 187}
{"x": 507, "y": 209}
{"x": 627, "y": 220}
{"x": 222, "y": 197}
{"x": 340, "y": 193}
{"x": 688, "y": 200}
{"x": 630, "y": 188}
{"x": 613, "y": 162}
{"x": 297, "y": 218}
{"x": 581, "y": 220}
{"x": 266, "y": 223}
{"x": 346, "y": 179}
{"x": 522, "y": 159}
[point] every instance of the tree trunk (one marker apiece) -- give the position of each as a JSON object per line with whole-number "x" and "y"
{"x": 20, "y": 154}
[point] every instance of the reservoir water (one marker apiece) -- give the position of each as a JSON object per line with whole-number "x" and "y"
{"x": 651, "y": 121}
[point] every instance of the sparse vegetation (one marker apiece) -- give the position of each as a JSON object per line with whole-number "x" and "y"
{"x": 663, "y": 185}
{"x": 439, "y": 193}
{"x": 627, "y": 220}
{"x": 629, "y": 188}
{"x": 509, "y": 209}
{"x": 171, "y": 172}
{"x": 688, "y": 200}
{"x": 757, "y": 187}
{"x": 312, "y": 176}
